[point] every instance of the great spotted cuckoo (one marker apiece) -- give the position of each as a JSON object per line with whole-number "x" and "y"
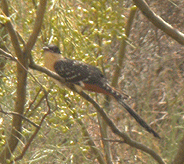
{"x": 87, "y": 77}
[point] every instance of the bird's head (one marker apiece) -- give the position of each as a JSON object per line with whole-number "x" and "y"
{"x": 52, "y": 49}
{"x": 51, "y": 55}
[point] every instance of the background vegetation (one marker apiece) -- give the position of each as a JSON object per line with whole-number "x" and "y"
{"x": 68, "y": 128}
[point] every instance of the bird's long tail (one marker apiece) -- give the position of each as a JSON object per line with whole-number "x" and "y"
{"x": 120, "y": 98}
{"x": 137, "y": 118}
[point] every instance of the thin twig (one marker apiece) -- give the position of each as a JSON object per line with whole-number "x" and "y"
{"x": 88, "y": 138}
{"x": 122, "y": 49}
{"x": 122, "y": 135}
{"x": 36, "y": 131}
{"x": 12, "y": 32}
{"x": 7, "y": 55}
{"x": 18, "y": 114}
{"x": 33, "y": 101}
{"x": 119, "y": 141}
{"x": 37, "y": 27}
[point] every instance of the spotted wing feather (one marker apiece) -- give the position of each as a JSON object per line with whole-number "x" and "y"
{"x": 75, "y": 72}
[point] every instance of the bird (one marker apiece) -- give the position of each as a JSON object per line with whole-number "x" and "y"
{"x": 86, "y": 77}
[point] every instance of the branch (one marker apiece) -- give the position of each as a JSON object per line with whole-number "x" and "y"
{"x": 98, "y": 154}
{"x": 122, "y": 135}
{"x": 32, "y": 65}
{"x": 36, "y": 131}
{"x": 116, "y": 75}
{"x": 159, "y": 22}
{"x": 109, "y": 122}
{"x": 7, "y": 55}
{"x": 21, "y": 74}
{"x": 90, "y": 142}
{"x": 15, "y": 134}
{"x": 37, "y": 27}
{"x": 46, "y": 71}
{"x": 34, "y": 100}
{"x": 109, "y": 140}
{"x": 17, "y": 114}
{"x": 11, "y": 31}
{"x": 37, "y": 104}
{"x": 122, "y": 49}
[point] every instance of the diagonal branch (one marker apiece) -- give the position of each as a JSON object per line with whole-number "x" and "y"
{"x": 35, "y": 132}
{"x": 11, "y": 31}
{"x": 90, "y": 141}
{"x": 116, "y": 75}
{"x": 37, "y": 27}
{"x": 122, "y": 49}
{"x": 20, "y": 115}
{"x": 122, "y": 135}
{"x": 46, "y": 71}
{"x": 109, "y": 122}
{"x": 159, "y": 22}
{"x": 7, "y": 55}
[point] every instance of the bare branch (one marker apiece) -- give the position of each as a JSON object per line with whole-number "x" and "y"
{"x": 20, "y": 115}
{"x": 119, "y": 141}
{"x": 37, "y": 27}
{"x": 90, "y": 141}
{"x": 36, "y": 131}
{"x": 7, "y": 55}
{"x": 122, "y": 135}
{"x": 32, "y": 65}
{"x": 33, "y": 101}
{"x": 159, "y": 22}
{"x": 116, "y": 75}
{"x": 109, "y": 122}
{"x": 122, "y": 49}
{"x": 20, "y": 92}
{"x": 46, "y": 71}
{"x": 11, "y": 31}
{"x": 21, "y": 75}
